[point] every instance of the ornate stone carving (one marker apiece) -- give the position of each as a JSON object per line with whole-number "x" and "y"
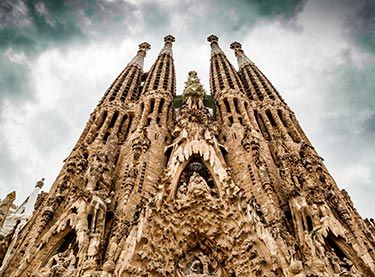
{"x": 59, "y": 265}
{"x": 140, "y": 143}
{"x": 197, "y": 186}
{"x": 197, "y": 264}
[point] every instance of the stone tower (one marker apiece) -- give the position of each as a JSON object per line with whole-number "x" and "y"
{"x": 157, "y": 188}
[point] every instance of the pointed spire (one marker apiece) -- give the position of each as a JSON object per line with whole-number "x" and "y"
{"x": 167, "y": 49}
{"x": 193, "y": 87}
{"x": 215, "y": 48}
{"x": 242, "y": 59}
{"x": 138, "y": 60}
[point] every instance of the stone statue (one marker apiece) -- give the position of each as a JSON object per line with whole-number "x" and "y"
{"x": 197, "y": 186}
{"x": 61, "y": 264}
{"x": 334, "y": 260}
{"x": 182, "y": 191}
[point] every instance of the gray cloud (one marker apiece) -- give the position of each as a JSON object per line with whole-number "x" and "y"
{"x": 361, "y": 24}
{"x": 33, "y": 26}
{"x": 28, "y": 28}
{"x": 14, "y": 79}
{"x": 9, "y": 166}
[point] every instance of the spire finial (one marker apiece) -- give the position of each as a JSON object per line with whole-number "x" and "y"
{"x": 144, "y": 46}
{"x": 141, "y": 54}
{"x": 168, "y": 40}
{"x": 215, "y": 49}
{"x": 213, "y": 39}
{"x": 241, "y": 57}
{"x": 193, "y": 94}
{"x": 236, "y": 46}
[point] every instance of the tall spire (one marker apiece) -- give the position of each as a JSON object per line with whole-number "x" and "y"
{"x": 138, "y": 60}
{"x": 110, "y": 118}
{"x": 161, "y": 76}
{"x": 223, "y": 76}
{"x": 167, "y": 49}
{"x": 256, "y": 84}
{"x": 241, "y": 57}
{"x": 126, "y": 85}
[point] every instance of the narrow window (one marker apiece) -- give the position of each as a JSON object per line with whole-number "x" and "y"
{"x": 235, "y": 101}
{"x": 142, "y": 108}
{"x": 102, "y": 119}
{"x": 226, "y": 103}
{"x": 113, "y": 121}
{"x": 166, "y": 75}
{"x": 280, "y": 114}
{"x": 157, "y": 78}
{"x": 309, "y": 223}
{"x": 230, "y": 118}
{"x": 161, "y": 105}
{"x": 218, "y": 72}
{"x": 261, "y": 125}
{"x": 152, "y": 105}
{"x": 106, "y": 136}
{"x": 270, "y": 118}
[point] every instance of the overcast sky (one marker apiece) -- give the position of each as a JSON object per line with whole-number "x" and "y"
{"x": 57, "y": 60}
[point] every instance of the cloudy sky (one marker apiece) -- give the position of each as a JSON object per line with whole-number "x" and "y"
{"x": 57, "y": 58}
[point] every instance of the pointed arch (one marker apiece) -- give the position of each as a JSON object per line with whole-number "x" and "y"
{"x": 186, "y": 169}
{"x": 58, "y": 245}
{"x": 196, "y": 166}
{"x": 342, "y": 249}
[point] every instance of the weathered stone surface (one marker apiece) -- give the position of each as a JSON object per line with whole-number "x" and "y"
{"x": 154, "y": 191}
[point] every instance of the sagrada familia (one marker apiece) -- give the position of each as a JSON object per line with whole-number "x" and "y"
{"x": 160, "y": 184}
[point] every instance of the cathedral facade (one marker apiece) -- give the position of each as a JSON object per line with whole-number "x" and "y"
{"x": 225, "y": 184}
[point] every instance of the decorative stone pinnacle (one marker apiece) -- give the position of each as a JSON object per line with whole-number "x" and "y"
{"x": 193, "y": 90}
{"x": 138, "y": 59}
{"x": 236, "y": 45}
{"x": 12, "y": 195}
{"x": 241, "y": 57}
{"x": 169, "y": 39}
{"x": 215, "y": 48}
{"x": 213, "y": 39}
{"x": 144, "y": 46}
{"x": 167, "y": 49}
{"x": 40, "y": 183}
